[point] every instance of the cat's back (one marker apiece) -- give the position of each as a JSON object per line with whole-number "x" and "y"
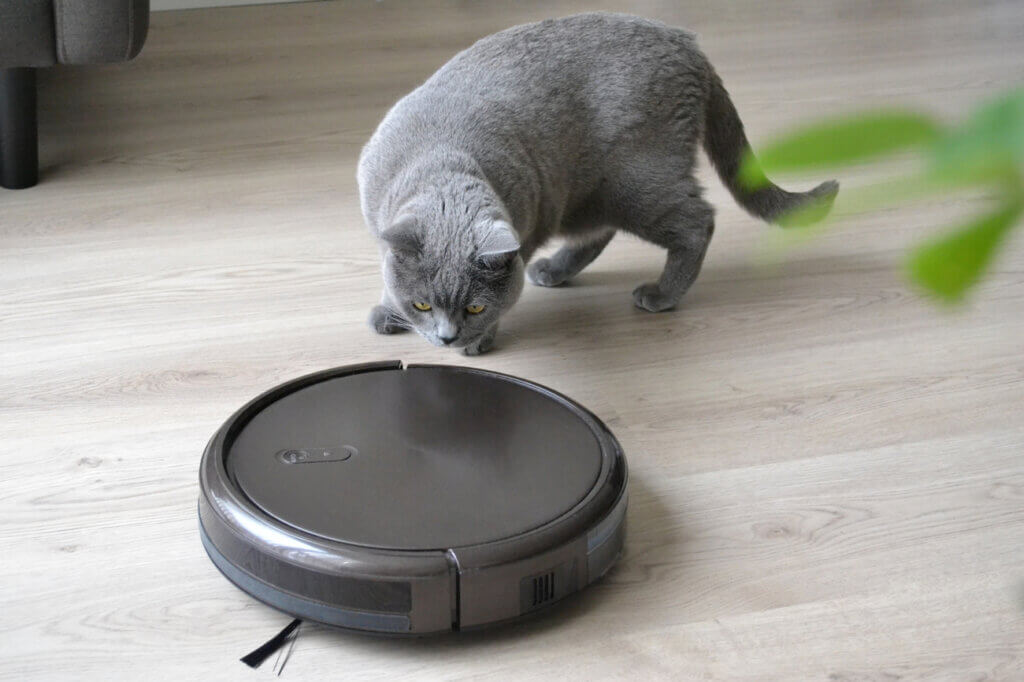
{"x": 586, "y": 76}
{"x": 558, "y": 93}
{"x": 596, "y": 51}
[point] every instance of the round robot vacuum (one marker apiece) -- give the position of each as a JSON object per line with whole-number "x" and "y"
{"x": 412, "y": 499}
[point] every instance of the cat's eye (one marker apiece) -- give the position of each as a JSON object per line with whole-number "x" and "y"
{"x": 474, "y": 309}
{"x": 420, "y": 305}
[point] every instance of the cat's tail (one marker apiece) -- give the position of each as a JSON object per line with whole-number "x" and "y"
{"x": 726, "y": 144}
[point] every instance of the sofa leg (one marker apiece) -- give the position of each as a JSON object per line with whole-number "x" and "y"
{"x": 19, "y": 150}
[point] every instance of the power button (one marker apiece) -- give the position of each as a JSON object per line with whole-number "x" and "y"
{"x": 293, "y": 456}
{"x": 312, "y": 455}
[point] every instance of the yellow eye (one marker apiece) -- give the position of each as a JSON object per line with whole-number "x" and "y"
{"x": 474, "y": 309}
{"x": 421, "y": 306}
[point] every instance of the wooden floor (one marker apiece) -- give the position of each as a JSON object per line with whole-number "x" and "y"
{"x": 827, "y": 471}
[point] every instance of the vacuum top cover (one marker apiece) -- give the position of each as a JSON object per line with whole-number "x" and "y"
{"x": 412, "y": 499}
{"x": 425, "y": 458}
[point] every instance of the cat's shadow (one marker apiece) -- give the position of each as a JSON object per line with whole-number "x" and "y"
{"x": 599, "y": 301}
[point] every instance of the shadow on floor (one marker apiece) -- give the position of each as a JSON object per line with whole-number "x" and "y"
{"x": 600, "y": 316}
{"x": 658, "y": 541}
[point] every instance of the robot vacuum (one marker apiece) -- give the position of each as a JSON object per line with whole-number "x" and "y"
{"x": 412, "y": 499}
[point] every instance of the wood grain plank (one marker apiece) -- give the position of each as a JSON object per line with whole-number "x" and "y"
{"x": 827, "y": 472}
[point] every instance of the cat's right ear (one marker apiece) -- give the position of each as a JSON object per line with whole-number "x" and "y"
{"x": 403, "y": 237}
{"x": 499, "y": 245}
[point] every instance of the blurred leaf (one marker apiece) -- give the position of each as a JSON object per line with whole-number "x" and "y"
{"x": 751, "y": 175}
{"x": 839, "y": 141}
{"x": 871, "y": 197}
{"x": 775, "y": 244}
{"x": 985, "y": 152}
{"x": 988, "y": 147}
{"x": 950, "y": 265}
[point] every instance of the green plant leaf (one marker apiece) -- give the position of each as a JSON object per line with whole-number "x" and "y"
{"x": 988, "y": 147}
{"x": 839, "y": 141}
{"x": 948, "y": 266}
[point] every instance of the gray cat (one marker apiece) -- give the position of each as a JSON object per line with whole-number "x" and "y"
{"x": 575, "y": 128}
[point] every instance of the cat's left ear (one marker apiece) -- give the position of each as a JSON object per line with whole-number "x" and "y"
{"x": 498, "y": 245}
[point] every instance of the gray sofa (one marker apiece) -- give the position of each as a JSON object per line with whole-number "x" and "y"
{"x": 41, "y": 33}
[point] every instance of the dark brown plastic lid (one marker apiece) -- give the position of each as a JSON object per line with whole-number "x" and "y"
{"x": 412, "y": 499}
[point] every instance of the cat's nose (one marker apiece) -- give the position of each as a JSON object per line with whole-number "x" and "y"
{"x": 447, "y": 332}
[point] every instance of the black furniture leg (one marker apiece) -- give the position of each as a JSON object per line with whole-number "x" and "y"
{"x": 19, "y": 152}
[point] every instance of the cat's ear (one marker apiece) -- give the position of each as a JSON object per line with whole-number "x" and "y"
{"x": 404, "y": 236}
{"x": 498, "y": 244}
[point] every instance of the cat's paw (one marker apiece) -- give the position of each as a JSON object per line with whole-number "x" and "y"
{"x": 478, "y": 348}
{"x": 383, "y": 320}
{"x": 650, "y": 297}
{"x": 481, "y": 345}
{"x": 542, "y": 273}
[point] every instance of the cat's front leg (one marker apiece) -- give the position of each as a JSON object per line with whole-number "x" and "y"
{"x": 482, "y": 344}
{"x": 384, "y": 320}
{"x": 569, "y": 260}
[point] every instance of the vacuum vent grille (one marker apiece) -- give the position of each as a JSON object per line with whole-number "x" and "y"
{"x": 543, "y": 588}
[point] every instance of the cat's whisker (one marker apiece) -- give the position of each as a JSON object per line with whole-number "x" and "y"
{"x": 396, "y": 321}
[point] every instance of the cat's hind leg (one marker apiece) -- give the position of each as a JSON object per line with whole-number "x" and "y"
{"x": 684, "y": 228}
{"x": 569, "y": 260}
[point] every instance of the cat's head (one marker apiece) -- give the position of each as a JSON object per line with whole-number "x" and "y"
{"x": 451, "y": 276}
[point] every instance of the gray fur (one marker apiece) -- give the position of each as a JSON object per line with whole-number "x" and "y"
{"x": 574, "y": 127}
